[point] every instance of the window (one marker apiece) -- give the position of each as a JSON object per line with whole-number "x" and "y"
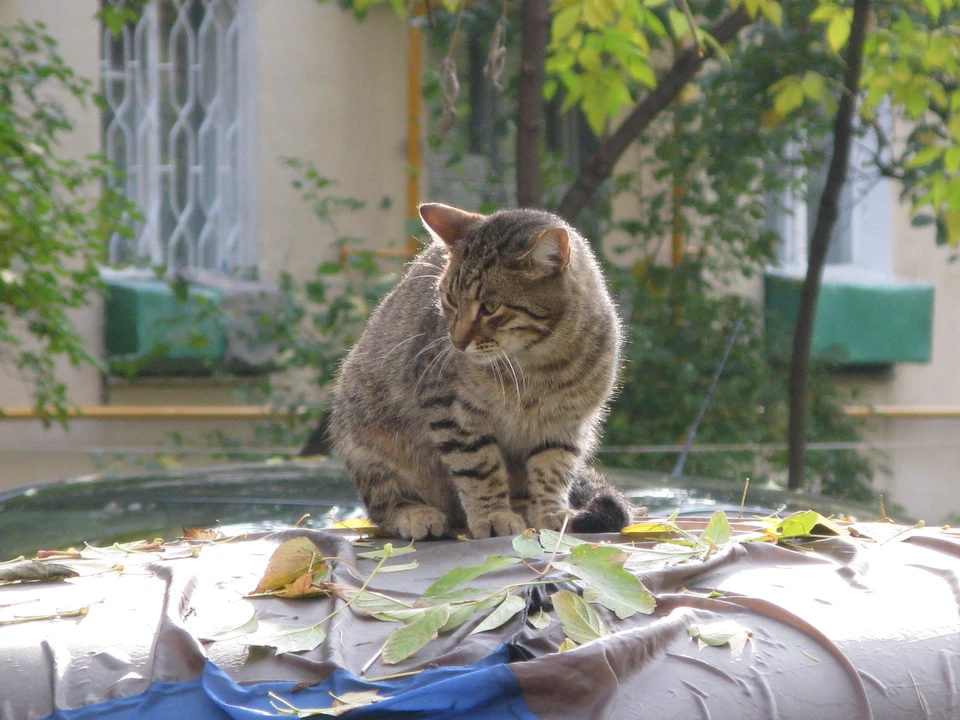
{"x": 177, "y": 124}
{"x": 861, "y": 242}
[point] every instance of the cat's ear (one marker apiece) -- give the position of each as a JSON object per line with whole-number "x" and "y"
{"x": 446, "y": 222}
{"x": 550, "y": 249}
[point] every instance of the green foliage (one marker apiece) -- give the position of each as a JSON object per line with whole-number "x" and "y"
{"x": 56, "y": 215}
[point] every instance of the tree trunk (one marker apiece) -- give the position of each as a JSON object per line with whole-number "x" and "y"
{"x": 820, "y": 244}
{"x": 535, "y": 27}
{"x": 599, "y": 166}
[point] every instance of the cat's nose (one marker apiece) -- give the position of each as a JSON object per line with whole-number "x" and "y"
{"x": 460, "y": 343}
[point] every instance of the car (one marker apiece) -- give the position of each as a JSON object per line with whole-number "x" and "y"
{"x": 699, "y": 614}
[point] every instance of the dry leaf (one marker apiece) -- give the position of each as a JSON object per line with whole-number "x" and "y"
{"x": 199, "y": 534}
{"x": 304, "y": 587}
{"x": 30, "y": 571}
{"x": 289, "y": 561}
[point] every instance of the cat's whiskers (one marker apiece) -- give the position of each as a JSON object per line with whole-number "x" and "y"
{"x": 513, "y": 372}
{"x": 443, "y": 353}
{"x": 427, "y": 347}
{"x": 402, "y": 342}
{"x": 424, "y": 263}
{"x": 496, "y": 368}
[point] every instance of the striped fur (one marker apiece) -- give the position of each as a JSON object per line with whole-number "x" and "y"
{"x": 474, "y": 398}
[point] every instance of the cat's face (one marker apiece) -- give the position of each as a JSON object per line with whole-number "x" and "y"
{"x": 504, "y": 289}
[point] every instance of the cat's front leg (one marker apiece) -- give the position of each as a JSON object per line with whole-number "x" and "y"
{"x": 478, "y": 471}
{"x": 551, "y": 468}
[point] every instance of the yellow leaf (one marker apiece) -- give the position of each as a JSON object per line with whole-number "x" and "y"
{"x": 650, "y": 528}
{"x": 951, "y": 160}
{"x": 288, "y": 562}
{"x": 773, "y": 12}
{"x": 589, "y": 59}
{"x": 813, "y": 84}
{"x": 565, "y": 21}
{"x": 788, "y": 99}
{"x": 838, "y": 31}
{"x": 824, "y": 13}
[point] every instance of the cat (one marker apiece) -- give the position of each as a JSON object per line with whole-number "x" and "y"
{"x": 475, "y": 395}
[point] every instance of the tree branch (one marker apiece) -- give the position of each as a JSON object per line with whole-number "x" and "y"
{"x": 535, "y": 23}
{"x": 820, "y": 244}
{"x": 600, "y": 166}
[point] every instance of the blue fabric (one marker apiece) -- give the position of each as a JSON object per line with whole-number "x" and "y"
{"x": 486, "y": 690}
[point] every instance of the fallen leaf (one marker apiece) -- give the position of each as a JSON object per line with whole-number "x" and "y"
{"x": 527, "y": 546}
{"x": 459, "y": 576}
{"x": 718, "y": 530}
{"x": 199, "y": 534}
{"x": 71, "y": 554}
{"x": 399, "y": 568}
{"x": 553, "y": 541}
{"x": 578, "y": 619}
{"x": 304, "y": 586}
{"x": 405, "y": 641}
{"x": 461, "y": 612}
{"x": 727, "y": 632}
{"x": 614, "y": 587}
{"x": 289, "y": 561}
{"x": 540, "y": 619}
{"x": 501, "y": 615}
{"x": 653, "y": 530}
{"x": 808, "y": 523}
{"x": 289, "y": 640}
{"x": 380, "y": 553}
{"x": 341, "y": 704}
{"x": 566, "y": 645}
{"x": 32, "y": 571}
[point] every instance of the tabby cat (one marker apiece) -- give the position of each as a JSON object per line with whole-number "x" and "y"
{"x": 474, "y": 398}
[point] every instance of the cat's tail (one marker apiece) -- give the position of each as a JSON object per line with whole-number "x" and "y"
{"x": 599, "y": 506}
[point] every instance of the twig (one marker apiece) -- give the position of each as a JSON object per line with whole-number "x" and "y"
{"x": 743, "y": 498}
{"x": 372, "y": 660}
{"x": 556, "y": 549}
{"x": 693, "y": 27}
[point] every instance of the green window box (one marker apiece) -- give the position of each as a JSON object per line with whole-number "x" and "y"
{"x": 862, "y": 318}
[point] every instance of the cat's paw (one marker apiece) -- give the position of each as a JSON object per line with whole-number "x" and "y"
{"x": 415, "y": 522}
{"x": 546, "y": 518}
{"x": 499, "y": 523}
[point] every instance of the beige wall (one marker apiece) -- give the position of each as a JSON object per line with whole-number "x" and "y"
{"x": 328, "y": 90}
{"x": 331, "y": 91}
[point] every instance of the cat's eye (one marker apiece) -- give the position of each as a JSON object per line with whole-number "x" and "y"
{"x": 490, "y": 307}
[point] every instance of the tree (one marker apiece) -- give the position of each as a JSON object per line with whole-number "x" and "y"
{"x": 631, "y": 66}
{"x": 55, "y": 216}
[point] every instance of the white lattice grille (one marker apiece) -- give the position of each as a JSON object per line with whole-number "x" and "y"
{"x": 177, "y": 125}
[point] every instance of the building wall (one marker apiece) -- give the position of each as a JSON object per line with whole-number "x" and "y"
{"x": 329, "y": 90}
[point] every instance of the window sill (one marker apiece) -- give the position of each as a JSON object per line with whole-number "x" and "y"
{"x": 150, "y": 331}
{"x": 863, "y": 317}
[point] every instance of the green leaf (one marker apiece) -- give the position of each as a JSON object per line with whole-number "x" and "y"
{"x": 813, "y": 84}
{"x": 801, "y": 524}
{"x": 951, "y": 160}
{"x": 579, "y": 621}
{"x": 838, "y": 31}
{"x": 773, "y": 12}
{"x": 405, "y": 641}
{"x": 510, "y": 606}
{"x": 459, "y": 576}
{"x": 540, "y": 620}
{"x": 380, "y": 553}
{"x": 461, "y": 612}
{"x": 727, "y": 632}
{"x": 617, "y": 589}
{"x": 718, "y": 530}
{"x": 789, "y": 98}
{"x": 565, "y": 21}
{"x": 291, "y": 641}
{"x": 925, "y": 157}
{"x": 527, "y": 547}
{"x": 400, "y": 567}
{"x": 369, "y": 602}
{"x": 553, "y": 542}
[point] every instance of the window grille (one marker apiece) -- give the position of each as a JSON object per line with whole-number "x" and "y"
{"x": 178, "y": 111}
